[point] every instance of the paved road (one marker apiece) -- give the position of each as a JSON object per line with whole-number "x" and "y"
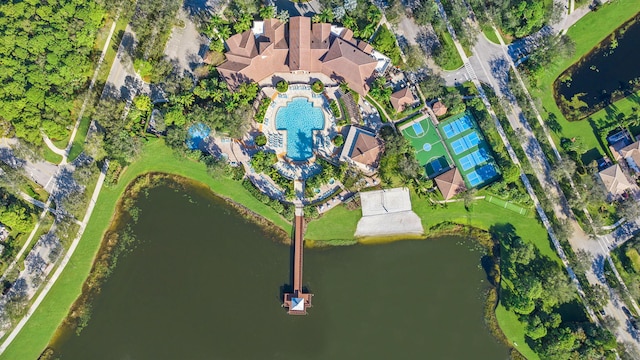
{"x": 49, "y": 284}
{"x": 495, "y": 63}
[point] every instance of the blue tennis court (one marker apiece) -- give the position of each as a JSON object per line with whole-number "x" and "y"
{"x": 481, "y": 175}
{"x": 475, "y": 158}
{"x": 456, "y": 127}
{"x": 465, "y": 143}
{"x": 417, "y": 128}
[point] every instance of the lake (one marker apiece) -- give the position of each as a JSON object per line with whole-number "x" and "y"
{"x": 203, "y": 283}
{"x": 606, "y": 74}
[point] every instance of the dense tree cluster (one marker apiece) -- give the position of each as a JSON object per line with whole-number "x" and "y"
{"x": 518, "y": 18}
{"x": 44, "y": 57}
{"x": 398, "y": 158}
{"x": 534, "y": 287}
{"x": 152, "y": 23}
{"x": 213, "y": 104}
{"x": 385, "y": 42}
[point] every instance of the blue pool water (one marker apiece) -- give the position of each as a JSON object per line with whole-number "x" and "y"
{"x": 299, "y": 118}
{"x": 196, "y": 135}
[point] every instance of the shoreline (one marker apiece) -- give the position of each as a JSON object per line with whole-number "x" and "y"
{"x": 111, "y": 247}
{"x": 617, "y": 95}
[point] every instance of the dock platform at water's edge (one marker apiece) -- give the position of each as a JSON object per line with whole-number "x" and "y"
{"x": 297, "y": 301}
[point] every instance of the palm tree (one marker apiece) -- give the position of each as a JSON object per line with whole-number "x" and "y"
{"x": 326, "y": 15}
{"x": 373, "y": 14}
{"x": 350, "y": 23}
{"x": 316, "y": 19}
{"x": 283, "y": 16}
{"x": 224, "y": 31}
{"x": 368, "y": 31}
{"x": 267, "y": 12}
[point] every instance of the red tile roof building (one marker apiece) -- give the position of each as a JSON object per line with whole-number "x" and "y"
{"x": 401, "y": 98}
{"x": 450, "y": 183}
{"x": 298, "y": 46}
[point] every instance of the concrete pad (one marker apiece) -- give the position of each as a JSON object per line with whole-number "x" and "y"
{"x": 399, "y": 223}
{"x": 385, "y": 201}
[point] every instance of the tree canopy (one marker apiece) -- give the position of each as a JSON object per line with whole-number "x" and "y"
{"x": 44, "y": 57}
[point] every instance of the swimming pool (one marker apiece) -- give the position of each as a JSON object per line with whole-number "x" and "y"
{"x": 299, "y": 118}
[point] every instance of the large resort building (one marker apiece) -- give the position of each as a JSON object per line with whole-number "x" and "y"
{"x": 298, "y": 46}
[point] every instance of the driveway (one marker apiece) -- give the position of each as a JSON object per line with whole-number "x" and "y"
{"x": 186, "y": 46}
{"x": 298, "y": 8}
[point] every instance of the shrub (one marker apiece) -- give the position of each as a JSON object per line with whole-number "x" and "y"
{"x": 282, "y": 86}
{"x": 333, "y": 105}
{"x": 338, "y": 140}
{"x": 262, "y": 109}
{"x": 317, "y": 87}
{"x": 261, "y": 140}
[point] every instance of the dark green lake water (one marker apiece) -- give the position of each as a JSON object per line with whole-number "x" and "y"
{"x": 203, "y": 283}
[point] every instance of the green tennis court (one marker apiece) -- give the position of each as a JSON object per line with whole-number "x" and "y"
{"x": 430, "y": 151}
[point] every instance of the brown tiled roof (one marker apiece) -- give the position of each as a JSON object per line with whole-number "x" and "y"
{"x": 632, "y": 153}
{"x": 298, "y": 46}
{"x": 614, "y": 180}
{"x": 299, "y": 43}
{"x": 365, "y": 46}
{"x": 450, "y": 183}
{"x": 344, "y": 61}
{"x": 439, "y": 108}
{"x": 401, "y": 98}
{"x": 366, "y": 148}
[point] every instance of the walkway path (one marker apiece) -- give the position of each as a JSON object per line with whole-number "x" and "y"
{"x": 49, "y": 284}
{"x": 514, "y": 121}
{"x": 49, "y": 200}
{"x": 578, "y": 239}
{"x": 52, "y": 146}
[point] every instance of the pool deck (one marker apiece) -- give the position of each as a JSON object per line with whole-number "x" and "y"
{"x": 277, "y": 139}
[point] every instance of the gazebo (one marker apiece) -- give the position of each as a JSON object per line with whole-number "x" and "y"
{"x": 439, "y": 108}
{"x": 450, "y": 183}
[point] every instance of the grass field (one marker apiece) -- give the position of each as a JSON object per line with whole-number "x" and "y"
{"x": 50, "y": 156}
{"x": 81, "y": 135}
{"x": 506, "y": 205}
{"x": 587, "y": 33}
{"x": 455, "y": 61}
{"x": 514, "y": 329}
{"x": 35, "y": 336}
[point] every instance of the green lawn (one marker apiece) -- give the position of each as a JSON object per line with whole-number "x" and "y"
{"x": 337, "y": 224}
{"x": 455, "y": 62}
{"x": 488, "y": 32}
{"x": 78, "y": 142}
{"x": 340, "y": 223}
{"x": 50, "y": 156}
{"x": 156, "y": 157}
{"x": 587, "y": 33}
{"x": 514, "y": 330}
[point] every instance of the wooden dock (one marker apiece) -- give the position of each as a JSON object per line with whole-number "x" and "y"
{"x": 298, "y": 301}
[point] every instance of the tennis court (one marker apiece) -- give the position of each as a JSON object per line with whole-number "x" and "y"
{"x": 481, "y": 175}
{"x": 471, "y": 154}
{"x": 457, "y": 126}
{"x": 465, "y": 143}
{"x": 431, "y": 152}
{"x": 476, "y": 158}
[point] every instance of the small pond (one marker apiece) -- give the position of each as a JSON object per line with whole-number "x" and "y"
{"x": 606, "y": 74}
